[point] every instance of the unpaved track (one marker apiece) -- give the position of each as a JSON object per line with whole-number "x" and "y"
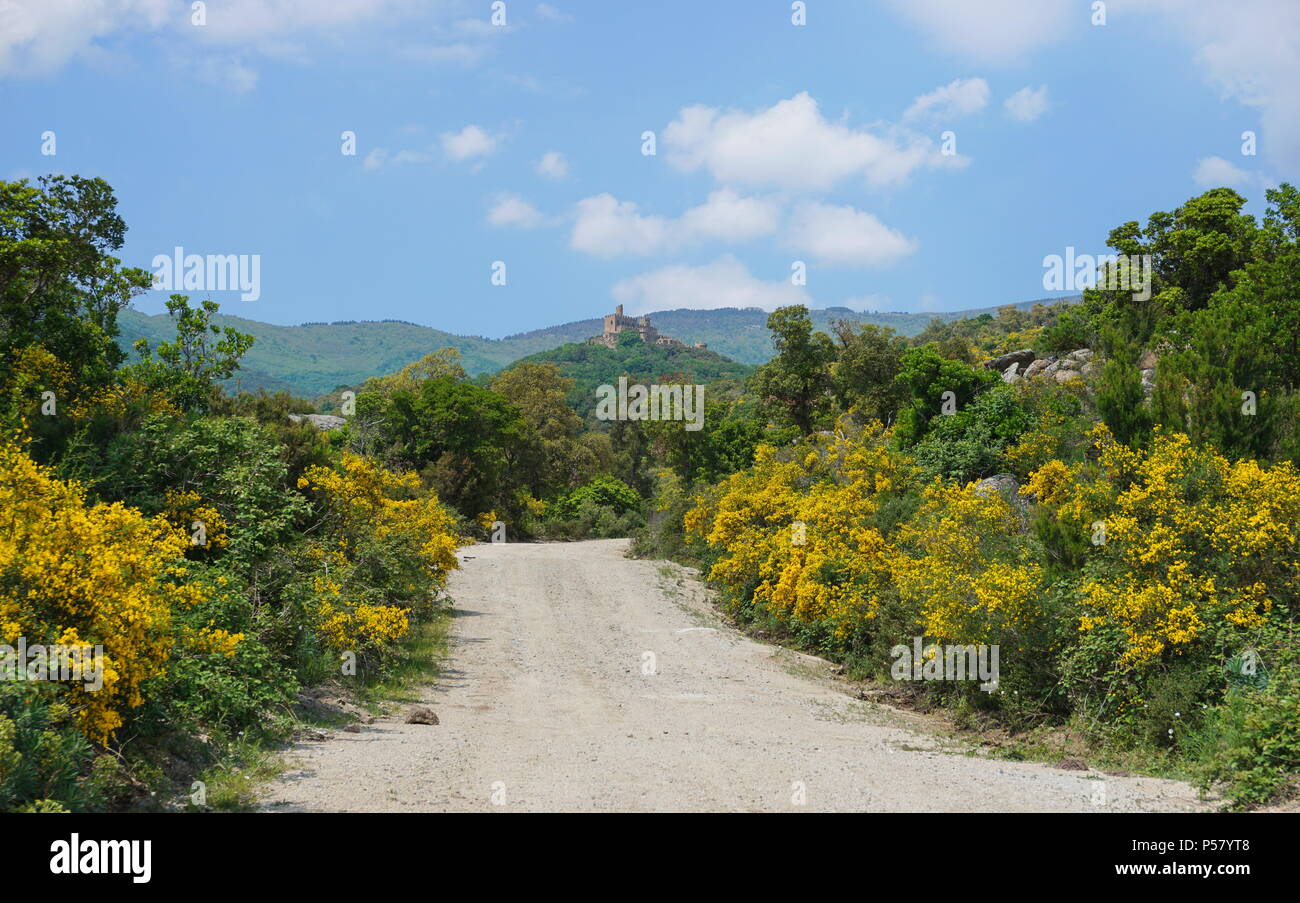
{"x": 545, "y": 706}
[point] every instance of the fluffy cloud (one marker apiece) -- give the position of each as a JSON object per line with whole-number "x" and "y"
{"x": 553, "y": 165}
{"x": 724, "y": 283}
{"x": 960, "y": 97}
{"x": 608, "y": 227}
{"x": 1250, "y": 53}
{"x": 1027, "y": 104}
{"x": 1216, "y": 172}
{"x": 512, "y": 210}
{"x": 791, "y": 145}
{"x": 845, "y": 236}
{"x": 40, "y": 36}
{"x": 470, "y": 142}
{"x": 993, "y": 31}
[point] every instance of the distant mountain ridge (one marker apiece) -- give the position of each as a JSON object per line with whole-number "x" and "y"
{"x": 315, "y": 358}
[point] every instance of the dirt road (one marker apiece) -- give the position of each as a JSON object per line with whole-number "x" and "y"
{"x": 580, "y": 680}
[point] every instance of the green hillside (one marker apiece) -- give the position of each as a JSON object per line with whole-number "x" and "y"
{"x": 316, "y": 358}
{"x": 590, "y": 366}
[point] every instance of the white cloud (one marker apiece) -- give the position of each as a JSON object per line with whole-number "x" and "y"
{"x": 1216, "y": 172}
{"x": 1248, "y": 48}
{"x": 1027, "y": 104}
{"x": 608, "y": 227}
{"x": 1250, "y": 52}
{"x": 553, "y": 165}
{"x": 960, "y": 97}
{"x": 994, "y": 31}
{"x": 845, "y": 236}
{"x": 724, "y": 283}
{"x": 512, "y": 210}
{"x": 39, "y": 36}
{"x": 791, "y": 145}
{"x": 471, "y": 141}
{"x": 728, "y": 216}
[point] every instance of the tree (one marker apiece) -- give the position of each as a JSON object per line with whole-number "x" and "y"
{"x": 1121, "y": 400}
{"x": 540, "y": 393}
{"x": 867, "y": 362}
{"x": 467, "y": 440}
{"x": 925, "y": 376}
{"x": 60, "y": 287}
{"x": 188, "y": 369}
{"x": 794, "y": 386}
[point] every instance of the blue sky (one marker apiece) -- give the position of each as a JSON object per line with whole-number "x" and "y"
{"x": 521, "y": 143}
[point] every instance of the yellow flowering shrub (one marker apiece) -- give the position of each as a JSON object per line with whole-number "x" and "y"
{"x": 78, "y": 574}
{"x": 1187, "y": 543}
{"x": 184, "y": 509}
{"x": 796, "y": 531}
{"x": 386, "y": 547}
{"x": 964, "y": 566}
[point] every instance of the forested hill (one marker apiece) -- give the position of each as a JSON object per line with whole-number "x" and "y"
{"x": 316, "y": 358}
{"x": 590, "y": 366}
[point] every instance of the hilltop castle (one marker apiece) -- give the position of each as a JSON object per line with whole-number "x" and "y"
{"x": 616, "y": 323}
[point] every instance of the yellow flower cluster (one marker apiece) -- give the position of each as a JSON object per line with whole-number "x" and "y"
{"x": 184, "y": 509}
{"x": 798, "y": 529}
{"x": 1188, "y": 539}
{"x": 962, "y": 565}
{"x": 370, "y": 519}
{"x": 79, "y": 574}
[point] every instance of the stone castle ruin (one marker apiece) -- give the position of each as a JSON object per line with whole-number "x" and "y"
{"x": 617, "y": 322}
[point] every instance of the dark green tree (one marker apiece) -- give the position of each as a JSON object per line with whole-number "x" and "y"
{"x": 794, "y": 386}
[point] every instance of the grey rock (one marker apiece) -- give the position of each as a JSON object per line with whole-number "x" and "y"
{"x": 422, "y": 715}
{"x": 322, "y": 422}
{"x": 1035, "y": 368}
{"x": 1083, "y": 355}
{"x": 1024, "y": 358}
{"x": 1009, "y": 375}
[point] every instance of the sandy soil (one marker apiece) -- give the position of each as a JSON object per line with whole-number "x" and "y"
{"x": 581, "y": 680}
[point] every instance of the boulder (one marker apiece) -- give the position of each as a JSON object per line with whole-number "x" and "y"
{"x": 1035, "y": 368}
{"x": 322, "y": 422}
{"x": 1007, "y": 486}
{"x": 1083, "y": 355}
{"x": 1009, "y": 375}
{"x": 1024, "y": 358}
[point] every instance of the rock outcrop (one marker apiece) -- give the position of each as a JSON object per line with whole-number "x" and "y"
{"x": 322, "y": 422}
